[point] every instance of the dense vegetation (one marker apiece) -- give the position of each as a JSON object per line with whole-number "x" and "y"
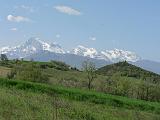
{"x": 129, "y": 70}
{"x": 102, "y": 87}
{"x": 26, "y": 105}
{"x": 66, "y": 97}
{"x": 121, "y": 79}
{"x": 52, "y": 64}
{"x": 131, "y": 81}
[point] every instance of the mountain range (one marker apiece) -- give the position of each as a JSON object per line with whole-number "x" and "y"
{"x": 37, "y": 49}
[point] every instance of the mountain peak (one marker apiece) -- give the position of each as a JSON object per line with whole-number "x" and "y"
{"x": 35, "y": 41}
{"x": 36, "y": 45}
{"x": 126, "y": 69}
{"x": 84, "y": 51}
{"x": 43, "y": 46}
{"x": 31, "y": 46}
{"x": 120, "y": 55}
{"x": 114, "y": 55}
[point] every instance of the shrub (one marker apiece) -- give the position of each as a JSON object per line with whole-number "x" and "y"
{"x": 28, "y": 72}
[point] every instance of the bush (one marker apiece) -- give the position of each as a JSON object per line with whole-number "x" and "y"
{"x": 28, "y": 72}
{"x": 60, "y": 65}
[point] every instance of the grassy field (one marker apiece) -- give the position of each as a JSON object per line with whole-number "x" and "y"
{"x": 28, "y": 105}
{"x": 66, "y": 96}
{"x": 83, "y": 95}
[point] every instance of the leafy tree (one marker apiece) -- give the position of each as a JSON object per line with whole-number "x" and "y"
{"x": 4, "y": 58}
{"x": 90, "y": 69}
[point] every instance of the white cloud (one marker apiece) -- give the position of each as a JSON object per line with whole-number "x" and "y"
{"x": 17, "y": 18}
{"x": 67, "y": 10}
{"x": 92, "y": 38}
{"x": 13, "y": 29}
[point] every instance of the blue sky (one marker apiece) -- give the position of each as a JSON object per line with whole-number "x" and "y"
{"x": 103, "y": 24}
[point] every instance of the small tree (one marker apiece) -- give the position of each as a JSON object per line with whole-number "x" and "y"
{"x": 4, "y": 58}
{"x": 90, "y": 69}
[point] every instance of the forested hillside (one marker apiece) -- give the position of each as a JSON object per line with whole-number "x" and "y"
{"x": 129, "y": 70}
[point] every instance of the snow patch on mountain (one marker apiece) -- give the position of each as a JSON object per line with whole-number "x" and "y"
{"x": 31, "y": 46}
{"x": 117, "y": 55}
{"x": 5, "y": 50}
{"x": 83, "y": 51}
{"x": 108, "y": 55}
{"x": 36, "y": 45}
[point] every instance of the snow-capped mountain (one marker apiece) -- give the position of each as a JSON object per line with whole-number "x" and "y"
{"x": 32, "y": 46}
{"x": 5, "y": 50}
{"x": 41, "y": 51}
{"x": 86, "y": 52}
{"x": 83, "y": 51}
{"x": 108, "y": 55}
{"x": 120, "y": 55}
{"x": 36, "y": 45}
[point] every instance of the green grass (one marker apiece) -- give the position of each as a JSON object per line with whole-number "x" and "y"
{"x": 71, "y": 78}
{"x": 27, "y": 100}
{"x": 19, "y": 104}
{"x": 115, "y": 83}
{"x": 83, "y": 95}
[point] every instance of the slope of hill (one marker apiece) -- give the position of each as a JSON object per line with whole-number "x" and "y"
{"x": 26, "y": 100}
{"x": 129, "y": 70}
{"x": 124, "y": 80}
{"x": 46, "y": 90}
{"x": 148, "y": 65}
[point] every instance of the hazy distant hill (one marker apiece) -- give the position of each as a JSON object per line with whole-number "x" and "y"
{"x": 71, "y": 59}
